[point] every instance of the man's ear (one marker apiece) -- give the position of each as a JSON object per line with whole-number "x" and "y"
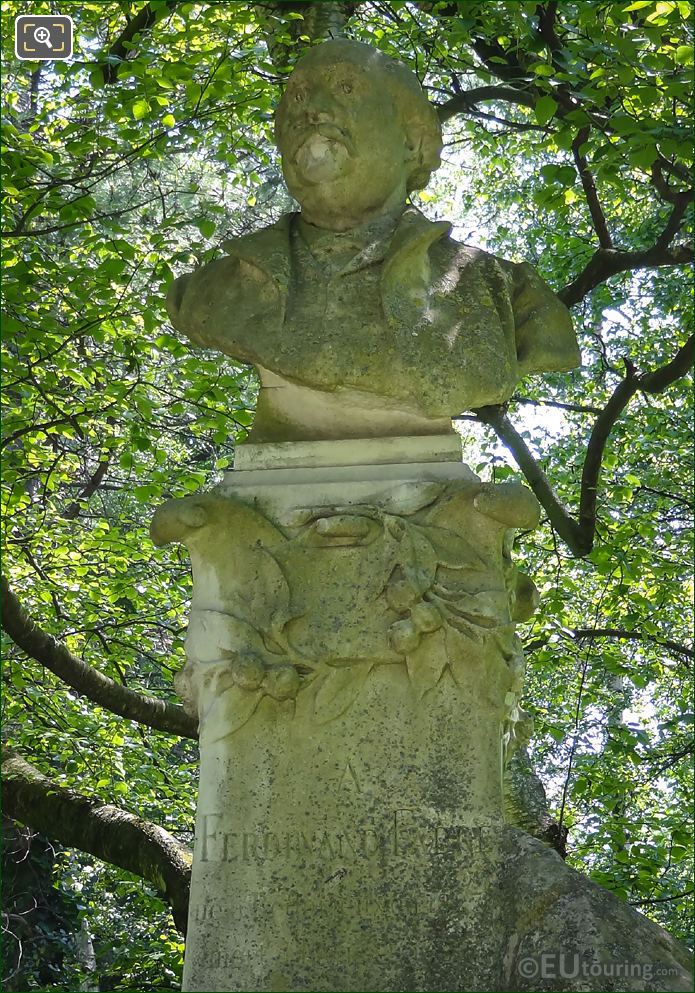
{"x": 413, "y": 150}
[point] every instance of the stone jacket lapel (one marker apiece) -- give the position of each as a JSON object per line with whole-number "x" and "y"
{"x": 406, "y": 264}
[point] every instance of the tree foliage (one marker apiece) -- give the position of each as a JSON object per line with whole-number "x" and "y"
{"x": 568, "y": 144}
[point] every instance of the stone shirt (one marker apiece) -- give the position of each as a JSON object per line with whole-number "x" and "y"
{"x": 335, "y": 298}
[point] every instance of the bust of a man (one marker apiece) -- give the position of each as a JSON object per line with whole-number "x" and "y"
{"x": 362, "y": 317}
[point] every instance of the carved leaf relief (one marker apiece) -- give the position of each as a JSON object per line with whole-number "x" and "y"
{"x": 451, "y": 549}
{"x": 427, "y": 663}
{"x": 214, "y": 634}
{"x": 409, "y": 498}
{"x": 337, "y": 689}
{"x": 232, "y": 709}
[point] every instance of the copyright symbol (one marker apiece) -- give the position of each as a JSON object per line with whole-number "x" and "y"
{"x": 528, "y": 968}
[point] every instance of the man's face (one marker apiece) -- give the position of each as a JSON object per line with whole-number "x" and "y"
{"x": 343, "y": 147}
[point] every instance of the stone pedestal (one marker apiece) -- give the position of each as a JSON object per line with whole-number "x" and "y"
{"x": 353, "y": 662}
{"x": 341, "y": 855}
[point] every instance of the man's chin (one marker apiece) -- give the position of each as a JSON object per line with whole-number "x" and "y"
{"x": 314, "y": 178}
{"x": 319, "y": 177}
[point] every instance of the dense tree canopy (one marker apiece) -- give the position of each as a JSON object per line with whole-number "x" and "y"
{"x": 568, "y": 144}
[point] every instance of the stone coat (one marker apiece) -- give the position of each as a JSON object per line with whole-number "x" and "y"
{"x": 448, "y": 328}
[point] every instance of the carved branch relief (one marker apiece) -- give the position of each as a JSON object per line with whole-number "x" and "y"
{"x": 307, "y": 606}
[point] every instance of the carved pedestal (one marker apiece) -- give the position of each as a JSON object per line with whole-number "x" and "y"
{"x": 353, "y": 662}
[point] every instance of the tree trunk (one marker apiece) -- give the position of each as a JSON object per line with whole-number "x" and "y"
{"x": 109, "y": 833}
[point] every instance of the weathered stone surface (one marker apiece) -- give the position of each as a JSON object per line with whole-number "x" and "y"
{"x": 335, "y": 573}
{"x": 364, "y": 318}
{"x": 353, "y": 662}
{"x": 347, "y": 452}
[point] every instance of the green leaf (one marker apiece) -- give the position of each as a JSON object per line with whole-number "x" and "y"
{"x": 684, "y": 55}
{"x": 140, "y": 109}
{"x": 545, "y": 109}
{"x": 206, "y": 226}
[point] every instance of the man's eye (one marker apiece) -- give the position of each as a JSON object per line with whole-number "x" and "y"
{"x": 346, "y": 87}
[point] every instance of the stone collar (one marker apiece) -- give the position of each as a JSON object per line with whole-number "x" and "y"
{"x": 405, "y": 255}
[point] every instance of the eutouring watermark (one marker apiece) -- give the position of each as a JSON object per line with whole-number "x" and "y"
{"x": 567, "y": 965}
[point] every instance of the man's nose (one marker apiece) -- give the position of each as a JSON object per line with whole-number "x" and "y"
{"x": 319, "y": 106}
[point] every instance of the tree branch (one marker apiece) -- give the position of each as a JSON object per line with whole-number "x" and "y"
{"x": 34, "y": 91}
{"x": 579, "y": 535}
{"x": 660, "y": 183}
{"x": 466, "y": 101}
{"x": 606, "y": 262}
{"x": 590, "y": 192}
{"x": 593, "y": 460}
{"x": 547, "y": 19}
{"x": 88, "y": 490}
{"x": 20, "y": 232}
{"x": 649, "y": 382}
{"x": 120, "y": 49}
{"x": 679, "y": 366}
{"x": 661, "y": 899}
{"x": 558, "y": 514}
{"x": 107, "y": 832}
{"x": 587, "y": 634}
{"x": 88, "y": 682}
{"x": 576, "y": 408}
{"x": 675, "y": 221}
{"x": 505, "y": 64}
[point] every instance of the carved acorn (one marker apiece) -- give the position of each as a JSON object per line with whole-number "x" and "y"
{"x": 404, "y": 637}
{"x": 249, "y": 672}
{"x": 401, "y": 594}
{"x": 426, "y": 617}
{"x": 281, "y": 682}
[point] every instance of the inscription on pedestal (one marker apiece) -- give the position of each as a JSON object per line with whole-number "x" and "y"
{"x": 401, "y": 832}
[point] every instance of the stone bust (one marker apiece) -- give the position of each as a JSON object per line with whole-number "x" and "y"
{"x": 364, "y": 318}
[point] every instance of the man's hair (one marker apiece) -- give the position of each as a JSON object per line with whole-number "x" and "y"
{"x": 416, "y": 113}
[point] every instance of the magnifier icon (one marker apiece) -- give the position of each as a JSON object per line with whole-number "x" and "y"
{"x": 42, "y": 36}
